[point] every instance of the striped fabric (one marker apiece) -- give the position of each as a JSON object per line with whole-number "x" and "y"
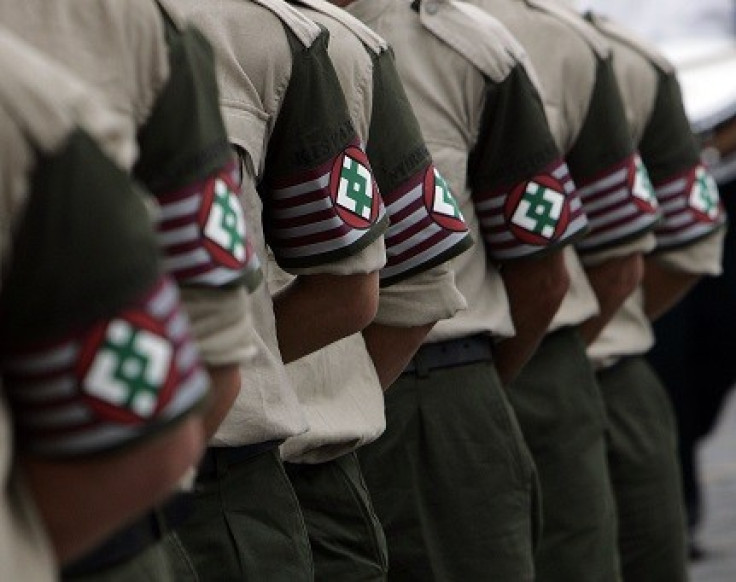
{"x": 691, "y": 206}
{"x": 620, "y": 205}
{"x": 202, "y": 231}
{"x": 425, "y": 226}
{"x": 109, "y": 384}
{"x": 530, "y": 216}
{"x": 327, "y": 212}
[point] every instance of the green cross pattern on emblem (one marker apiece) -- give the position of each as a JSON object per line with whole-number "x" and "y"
{"x": 444, "y": 201}
{"x": 130, "y": 368}
{"x": 355, "y": 191}
{"x": 539, "y": 210}
{"x": 704, "y": 194}
{"x": 226, "y": 223}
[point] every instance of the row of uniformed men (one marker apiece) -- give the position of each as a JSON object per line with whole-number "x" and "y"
{"x": 523, "y": 436}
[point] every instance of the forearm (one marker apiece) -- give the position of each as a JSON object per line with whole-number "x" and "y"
{"x": 612, "y": 281}
{"x": 317, "y": 310}
{"x": 84, "y": 501}
{"x": 535, "y": 289}
{"x": 664, "y": 288}
{"x": 391, "y": 348}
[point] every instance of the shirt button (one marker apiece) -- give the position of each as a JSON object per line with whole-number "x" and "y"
{"x": 431, "y": 7}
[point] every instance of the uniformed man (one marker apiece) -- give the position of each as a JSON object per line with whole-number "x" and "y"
{"x": 340, "y": 386}
{"x": 322, "y": 218}
{"x": 556, "y": 398}
{"x": 162, "y": 74}
{"x": 451, "y": 478}
{"x": 98, "y": 367}
{"x": 641, "y": 427}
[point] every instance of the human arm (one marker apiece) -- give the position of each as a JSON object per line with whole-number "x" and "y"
{"x": 535, "y": 288}
{"x": 612, "y": 282}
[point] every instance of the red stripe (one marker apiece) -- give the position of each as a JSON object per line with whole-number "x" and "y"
{"x": 177, "y": 222}
{"x": 333, "y": 234}
{"x": 409, "y": 232}
{"x": 305, "y": 219}
{"x": 400, "y": 215}
{"x": 408, "y": 185}
{"x": 417, "y": 249}
{"x": 614, "y": 207}
{"x": 300, "y": 200}
{"x": 305, "y": 176}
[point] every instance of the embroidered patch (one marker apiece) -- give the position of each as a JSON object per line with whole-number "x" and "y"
{"x": 703, "y": 197}
{"x": 537, "y": 211}
{"x": 126, "y": 369}
{"x": 353, "y": 189}
{"x": 203, "y": 232}
{"x": 641, "y": 187}
{"x": 441, "y": 203}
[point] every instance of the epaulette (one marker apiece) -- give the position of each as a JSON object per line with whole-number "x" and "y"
{"x": 576, "y": 22}
{"x": 303, "y": 28}
{"x": 370, "y": 39}
{"x": 473, "y": 33}
{"x": 615, "y": 31}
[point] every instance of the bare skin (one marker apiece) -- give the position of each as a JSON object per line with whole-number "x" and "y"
{"x": 83, "y": 501}
{"x": 391, "y": 348}
{"x": 536, "y": 288}
{"x": 664, "y": 288}
{"x": 613, "y": 282}
{"x": 316, "y": 310}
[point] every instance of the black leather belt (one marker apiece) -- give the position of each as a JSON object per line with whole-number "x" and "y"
{"x": 449, "y": 353}
{"x": 134, "y": 539}
{"x": 216, "y": 457}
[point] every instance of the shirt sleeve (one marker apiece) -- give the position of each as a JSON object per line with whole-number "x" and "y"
{"x": 189, "y": 167}
{"x": 103, "y": 357}
{"x": 426, "y": 227}
{"x": 687, "y": 193}
{"x": 320, "y": 200}
{"x": 613, "y": 185}
{"x": 524, "y": 197}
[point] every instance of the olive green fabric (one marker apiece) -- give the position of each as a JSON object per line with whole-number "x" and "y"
{"x": 395, "y": 146}
{"x": 560, "y": 410}
{"x": 452, "y": 480}
{"x": 151, "y": 565}
{"x": 345, "y": 535}
{"x": 514, "y": 141}
{"x": 72, "y": 198}
{"x": 604, "y": 139}
{"x": 238, "y": 533}
{"x": 645, "y": 473}
{"x": 668, "y": 145}
{"x": 175, "y": 154}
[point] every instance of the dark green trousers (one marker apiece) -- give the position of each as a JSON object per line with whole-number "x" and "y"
{"x": 644, "y": 467}
{"x": 246, "y": 526}
{"x": 559, "y": 406}
{"x": 346, "y": 537}
{"x": 151, "y": 565}
{"x": 452, "y": 480}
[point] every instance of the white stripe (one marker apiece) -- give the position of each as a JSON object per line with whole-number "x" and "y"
{"x": 62, "y": 417}
{"x": 308, "y": 229}
{"x": 185, "y": 207}
{"x": 322, "y": 247}
{"x": 303, "y": 209}
{"x": 423, "y": 257}
{"x": 163, "y": 302}
{"x": 215, "y": 277}
{"x": 615, "y": 234}
{"x": 178, "y": 327}
{"x": 685, "y": 235}
{"x": 613, "y": 198}
{"x": 45, "y": 362}
{"x": 408, "y": 222}
{"x": 193, "y": 258}
{"x": 302, "y": 187}
{"x": 610, "y": 217}
{"x": 675, "y": 205}
{"x": 604, "y": 183}
{"x": 179, "y": 235}
{"x": 188, "y": 356}
{"x": 575, "y": 204}
{"x": 673, "y": 188}
{"x": 405, "y": 200}
{"x": 561, "y": 171}
{"x": 677, "y": 220}
{"x": 54, "y": 389}
{"x": 413, "y": 240}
